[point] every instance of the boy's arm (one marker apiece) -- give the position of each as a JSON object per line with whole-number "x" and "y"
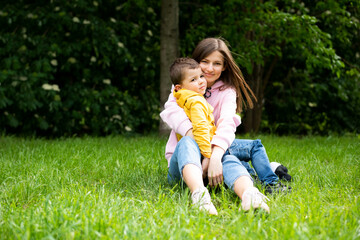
{"x": 175, "y": 117}
{"x": 201, "y": 127}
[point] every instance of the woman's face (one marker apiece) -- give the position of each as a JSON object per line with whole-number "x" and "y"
{"x": 212, "y": 67}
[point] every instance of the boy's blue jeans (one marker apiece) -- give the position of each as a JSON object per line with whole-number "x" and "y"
{"x": 235, "y": 161}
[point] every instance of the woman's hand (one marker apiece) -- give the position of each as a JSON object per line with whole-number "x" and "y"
{"x": 205, "y": 166}
{"x": 215, "y": 170}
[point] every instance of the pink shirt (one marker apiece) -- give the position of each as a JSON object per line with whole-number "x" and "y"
{"x": 226, "y": 119}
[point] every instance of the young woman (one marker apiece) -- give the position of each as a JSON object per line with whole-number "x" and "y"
{"x": 228, "y": 93}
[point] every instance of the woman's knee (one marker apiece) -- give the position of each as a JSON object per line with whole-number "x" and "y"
{"x": 232, "y": 170}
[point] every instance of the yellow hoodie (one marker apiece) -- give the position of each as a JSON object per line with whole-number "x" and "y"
{"x": 199, "y": 111}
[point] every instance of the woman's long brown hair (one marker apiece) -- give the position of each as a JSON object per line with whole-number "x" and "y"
{"x": 232, "y": 75}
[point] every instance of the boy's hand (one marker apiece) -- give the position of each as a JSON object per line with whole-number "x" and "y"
{"x": 190, "y": 133}
{"x": 205, "y": 166}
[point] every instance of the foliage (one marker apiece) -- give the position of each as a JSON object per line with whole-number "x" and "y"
{"x": 80, "y": 67}
{"x": 298, "y": 51}
{"x": 74, "y": 67}
{"x": 318, "y": 100}
{"x": 86, "y": 188}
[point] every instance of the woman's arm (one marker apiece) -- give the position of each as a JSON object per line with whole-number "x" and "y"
{"x": 227, "y": 119}
{"x": 175, "y": 117}
{"x": 226, "y": 125}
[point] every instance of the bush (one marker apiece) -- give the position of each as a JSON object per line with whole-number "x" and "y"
{"x": 75, "y": 67}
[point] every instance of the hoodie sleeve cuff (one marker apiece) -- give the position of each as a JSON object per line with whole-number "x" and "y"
{"x": 221, "y": 143}
{"x": 184, "y": 127}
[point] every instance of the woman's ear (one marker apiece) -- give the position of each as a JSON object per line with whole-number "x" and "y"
{"x": 177, "y": 87}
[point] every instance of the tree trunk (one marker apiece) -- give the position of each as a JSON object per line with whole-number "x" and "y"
{"x": 252, "y": 118}
{"x": 169, "y": 50}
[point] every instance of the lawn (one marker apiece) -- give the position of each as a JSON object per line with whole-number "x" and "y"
{"x": 116, "y": 188}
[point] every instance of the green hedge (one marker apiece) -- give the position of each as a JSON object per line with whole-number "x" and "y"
{"x": 75, "y": 67}
{"x": 92, "y": 67}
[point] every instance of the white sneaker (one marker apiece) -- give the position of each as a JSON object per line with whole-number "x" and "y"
{"x": 254, "y": 199}
{"x": 201, "y": 198}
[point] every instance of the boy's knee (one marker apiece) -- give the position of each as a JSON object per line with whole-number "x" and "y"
{"x": 258, "y": 144}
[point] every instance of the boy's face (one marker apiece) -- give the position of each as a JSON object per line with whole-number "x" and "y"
{"x": 194, "y": 80}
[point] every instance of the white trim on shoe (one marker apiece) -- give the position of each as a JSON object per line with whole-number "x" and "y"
{"x": 252, "y": 198}
{"x": 201, "y": 198}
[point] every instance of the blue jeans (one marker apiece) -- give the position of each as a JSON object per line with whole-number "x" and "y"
{"x": 187, "y": 152}
{"x": 235, "y": 161}
{"x": 254, "y": 151}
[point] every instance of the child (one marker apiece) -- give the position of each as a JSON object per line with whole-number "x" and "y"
{"x": 189, "y": 88}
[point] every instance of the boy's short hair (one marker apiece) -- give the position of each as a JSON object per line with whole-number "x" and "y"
{"x": 178, "y": 67}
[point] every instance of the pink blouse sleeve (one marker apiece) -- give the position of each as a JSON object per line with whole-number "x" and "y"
{"x": 175, "y": 117}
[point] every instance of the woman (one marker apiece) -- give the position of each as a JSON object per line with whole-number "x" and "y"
{"x": 227, "y": 91}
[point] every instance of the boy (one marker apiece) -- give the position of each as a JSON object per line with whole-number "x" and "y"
{"x": 189, "y": 88}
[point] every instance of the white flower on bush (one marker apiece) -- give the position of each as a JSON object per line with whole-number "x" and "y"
{"x": 76, "y": 20}
{"x": 117, "y": 117}
{"x": 113, "y": 20}
{"x": 312, "y": 104}
{"x": 93, "y": 59}
{"x": 127, "y": 128}
{"x": 54, "y": 62}
{"x": 86, "y": 22}
{"x": 49, "y": 87}
{"x": 23, "y": 78}
{"x": 56, "y": 88}
{"x": 107, "y": 81}
{"x": 120, "y": 45}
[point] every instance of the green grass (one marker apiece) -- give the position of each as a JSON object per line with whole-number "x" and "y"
{"x": 116, "y": 188}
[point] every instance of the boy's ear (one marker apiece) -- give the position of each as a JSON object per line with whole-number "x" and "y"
{"x": 177, "y": 87}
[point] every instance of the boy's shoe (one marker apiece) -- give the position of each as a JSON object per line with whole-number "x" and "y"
{"x": 201, "y": 198}
{"x": 252, "y": 198}
{"x": 281, "y": 171}
{"x": 277, "y": 188}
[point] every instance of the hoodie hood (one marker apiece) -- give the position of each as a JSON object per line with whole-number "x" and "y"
{"x": 218, "y": 84}
{"x": 183, "y": 95}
